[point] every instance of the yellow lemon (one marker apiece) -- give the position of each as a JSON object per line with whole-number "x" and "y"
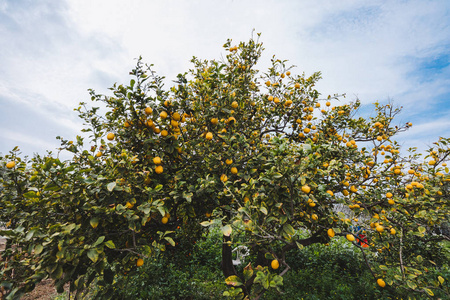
{"x": 148, "y": 111}
{"x": 330, "y": 232}
{"x": 110, "y": 136}
{"x": 306, "y": 189}
{"x": 381, "y": 282}
{"x": 159, "y": 169}
{"x": 275, "y": 264}
{"x": 139, "y": 262}
{"x": 163, "y": 115}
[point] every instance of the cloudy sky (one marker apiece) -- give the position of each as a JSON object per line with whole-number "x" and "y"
{"x": 51, "y": 52}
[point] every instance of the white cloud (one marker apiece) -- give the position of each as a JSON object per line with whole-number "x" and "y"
{"x": 52, "y": 52}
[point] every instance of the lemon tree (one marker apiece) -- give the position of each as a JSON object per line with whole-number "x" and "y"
{"x": 262, "y": 155}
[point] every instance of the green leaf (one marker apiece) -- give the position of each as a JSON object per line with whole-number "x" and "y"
{"x": 110, "y": 186}
{"x": 429, "y": 292}
{"x": 300, "y": 246}
{"x": 110, "y": 244}
{"x": 411, "y": 284}
{"x": 263, "y": 210}
{"x": 93, "y": 255}
{"x": 161, "y": 210}
{"x": 422, "y": 229}
{"x": 206, "y": 223}
{"x": 288, "y": 229}
{"x": 277, "y": 175}
{"x": 383, "y": 267}
{"x": 99, "y": 241}
{"x": 248, "y": 272}
{"x": 226, "y": 230}
{"x": 57, "y": 273}
{"x": 170, "y": 240}
{"x": 38, "y": 249}
{"x": 94, "y": 222}
{"x": 233, "y": 280}
{"x": 441, "y": 279}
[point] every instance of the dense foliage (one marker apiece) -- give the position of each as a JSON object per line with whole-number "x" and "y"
{"x": 260, "y": 155}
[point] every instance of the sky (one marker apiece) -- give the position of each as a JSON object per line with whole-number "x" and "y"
{"x": 52, "y": 52}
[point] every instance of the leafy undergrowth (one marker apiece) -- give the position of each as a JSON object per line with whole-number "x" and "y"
{"x": 336, "y": 271}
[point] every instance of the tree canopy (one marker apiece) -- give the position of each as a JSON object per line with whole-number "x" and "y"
{"x": 261, "y": 155}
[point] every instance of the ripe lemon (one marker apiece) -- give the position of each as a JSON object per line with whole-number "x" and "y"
{"x": 392, "y": 231}
{"x": 209, "y": 136}
{"x": 164, "y": 133}
{"x": 234, "y": 170}
{"x": 224, "y": 178}
{"x": 157, "y": 160}
{"x": 229, "y": 161}
{"x": 389, "y": 195}
{"x": 432, "y": 162}
{"x": 176, "y": 116}
{"x": 98, "y": 154}
{"x": 159, "y": 169}
{"x": 139, "y": 262}
{"x": 391, "y": 202}
{"x": 275, "y": 264}
{"x": 163, "y": 115}
{"x": 148, "y": 111}
{"x": 350, "y": 237}
{"x": 268, "y": 83}
{"x": 129, "y": 205}
{"x": 11, "y": 164}
{"x": 380, "y": 228}
{"x": 314, "y": 217}
{"x": 234, "y": 104}
{"x": 381, "y": 282}
{"x": 330, "y": 232}
{"x": 306, "y": 189}
{"x": 330, "y": 192}
{"x": 270, "y": 98}
{"x": 214, "y": 121}
{"x": 110, "y": 136}
{"x": 288, "y": 73}
{"x": 353, "y": 189}
{"x": 297, "y": 85}
{"x": 164, "y": 220}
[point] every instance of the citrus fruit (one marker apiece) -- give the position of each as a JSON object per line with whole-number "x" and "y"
{"x": 139, "y": 262}
{"x": 330, "y": 232}
{"x": 275, "y": 264}
{"x": 381, "y": 282}
{"x": 159, "y": 169}
{"x": 110, "y": 136}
